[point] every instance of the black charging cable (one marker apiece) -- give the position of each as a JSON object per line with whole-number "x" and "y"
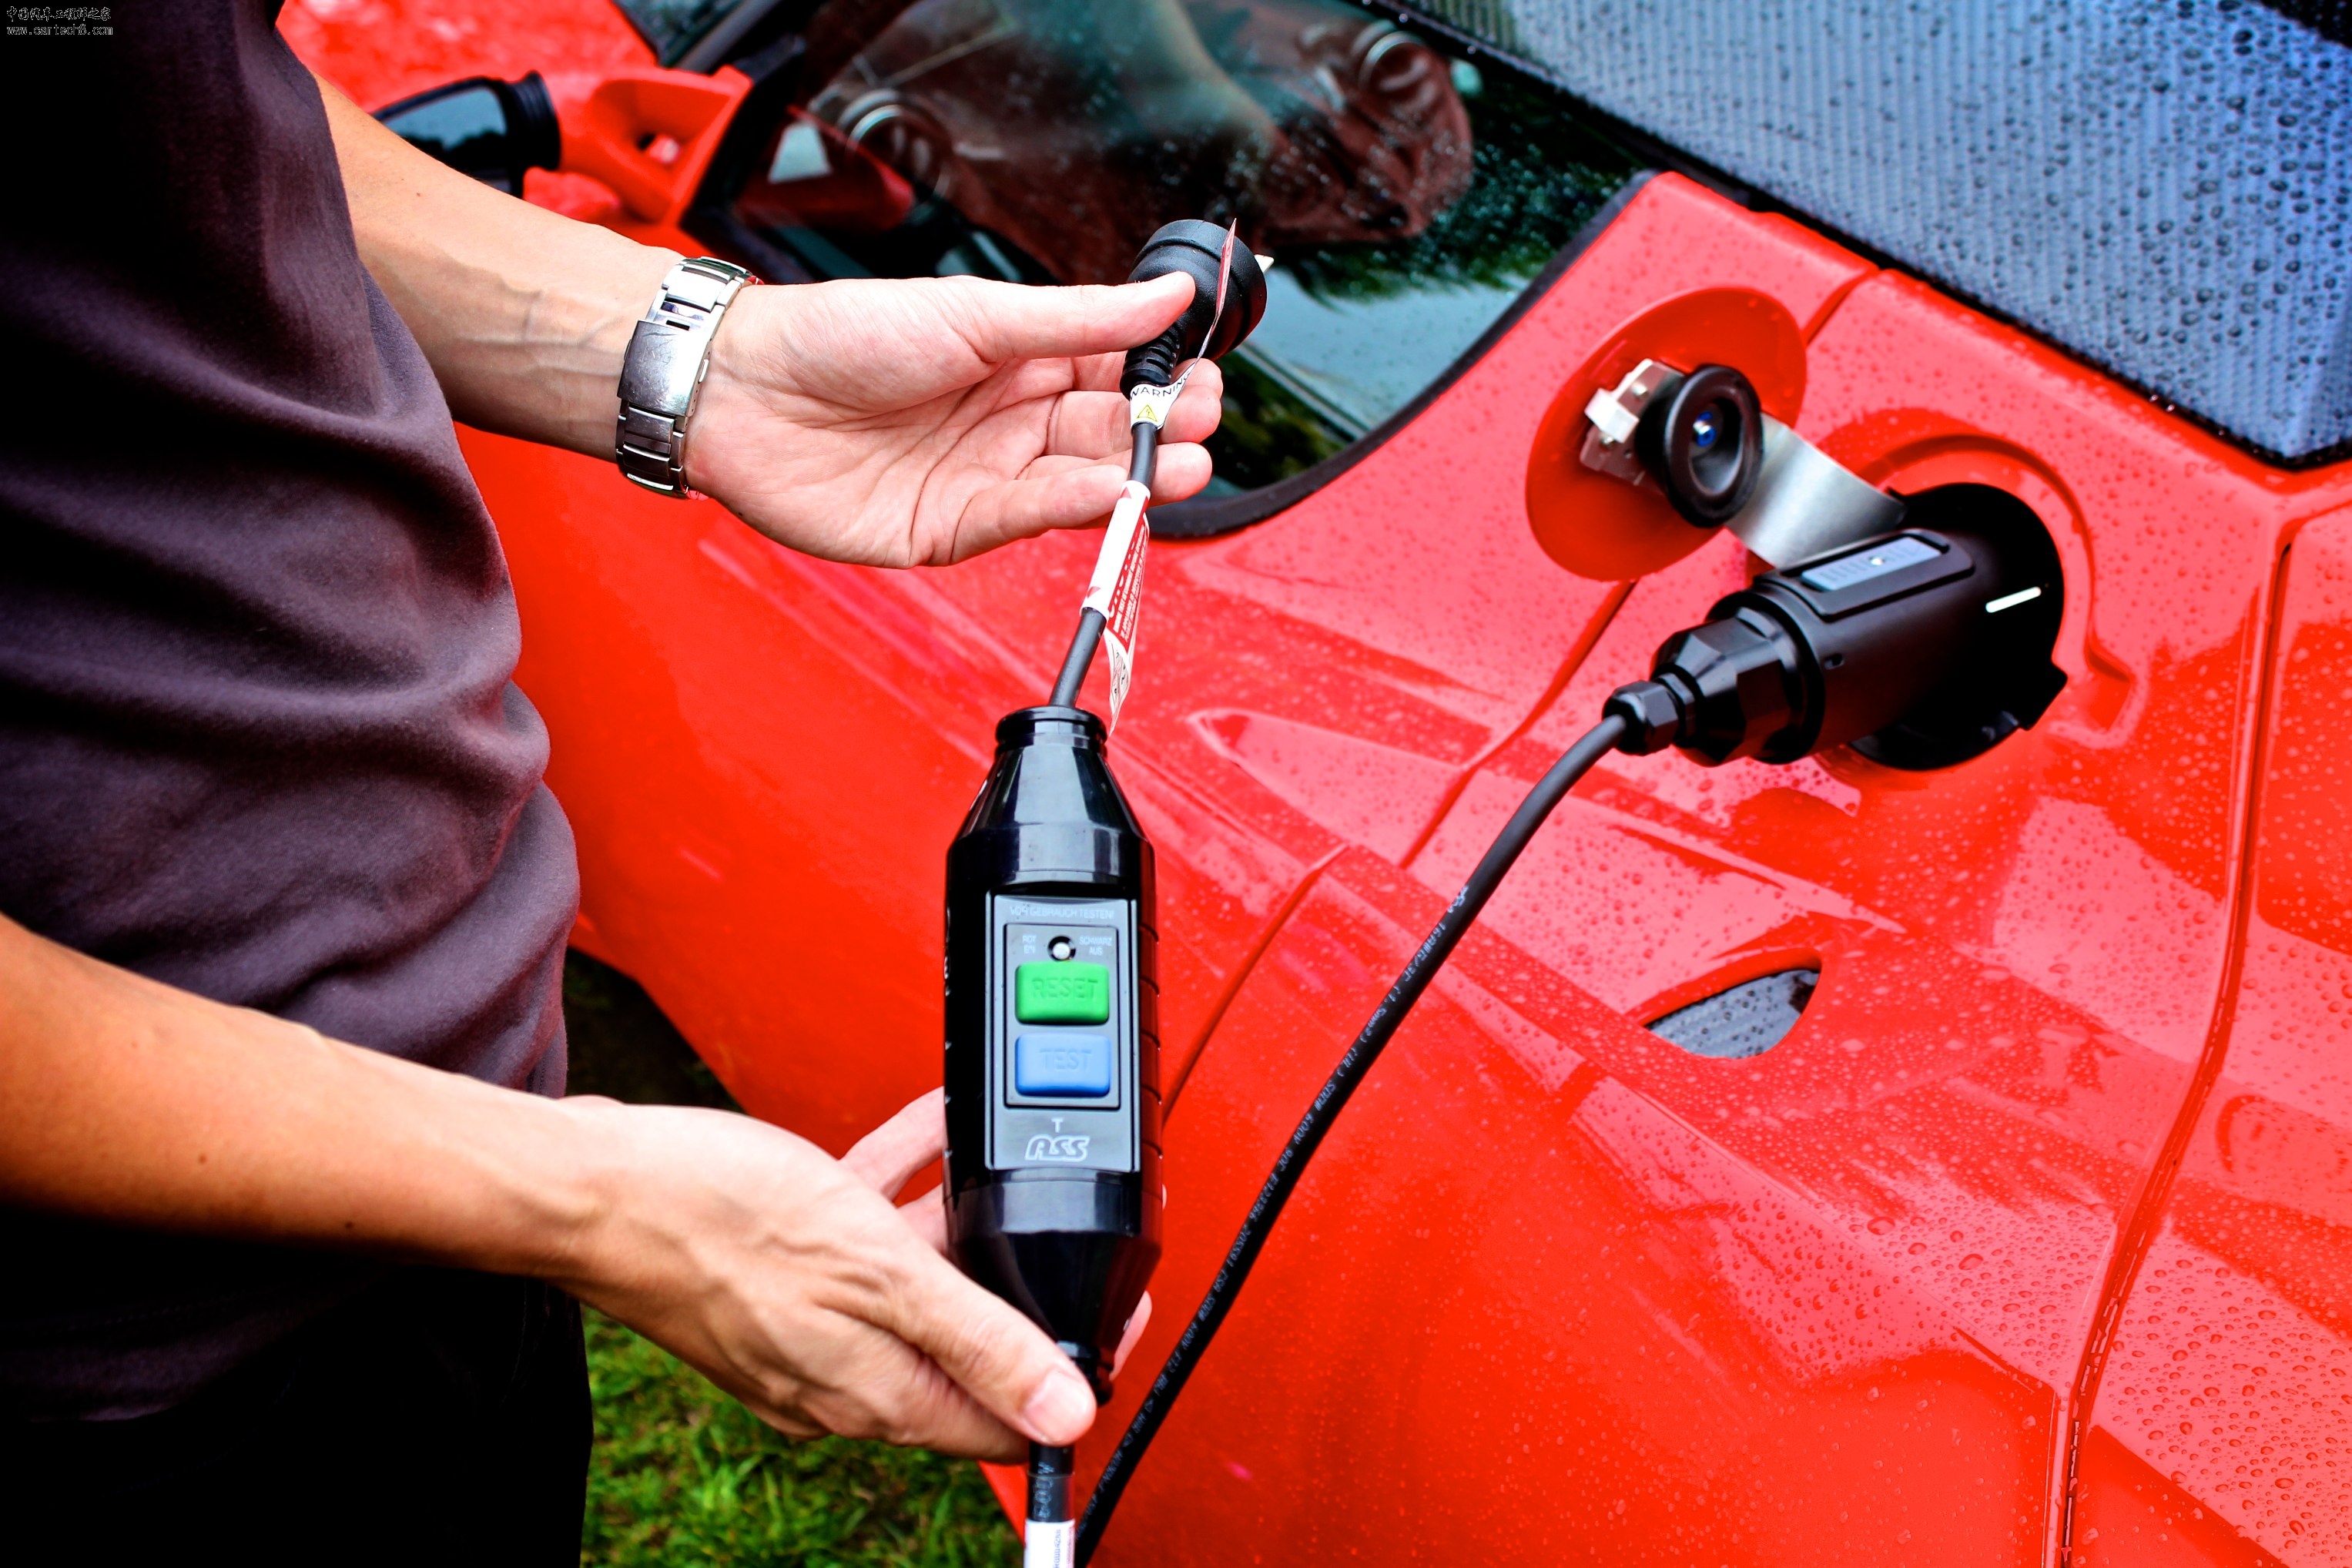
{"x": 1050, "y": 1467}
{"x": 1143, "y": 467}
{"x": 1228, "y": 301}
{"x": 1426, "y": 961}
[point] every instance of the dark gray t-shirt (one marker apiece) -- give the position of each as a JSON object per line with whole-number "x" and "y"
{"x": 258, "y": 734}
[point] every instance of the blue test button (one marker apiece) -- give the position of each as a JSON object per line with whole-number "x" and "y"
{"x": 1074, "y": 1067}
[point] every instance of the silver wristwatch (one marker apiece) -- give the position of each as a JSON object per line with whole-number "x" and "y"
{"x": 669, "y": 353}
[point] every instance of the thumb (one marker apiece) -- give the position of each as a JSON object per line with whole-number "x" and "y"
{"x": 1005, "y": 321}
{"x": 996, "y": 1354}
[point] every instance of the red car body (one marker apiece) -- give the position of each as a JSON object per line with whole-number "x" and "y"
{"x": 2033, "y": 1238}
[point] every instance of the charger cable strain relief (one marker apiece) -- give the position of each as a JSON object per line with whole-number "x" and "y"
{"x": 1653, "y": 716}
{"x": 1152, "y": 364}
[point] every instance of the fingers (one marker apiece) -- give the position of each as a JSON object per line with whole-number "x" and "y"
{"x": 1053, "y": 495}
{"x": 873, "y": 1385}
{"x": 1004, "y": 321}
{"x": 1199, "y": 407}
{"x": 1096, "y": 424}
{"x": 1065, "y": 492}
{"x": 884, "y": 1158}
{"x": 1136, "y": 1322}
{"x": 927, "y": 1216}
{"x": 1183, "y": 472}
{"x": 951, "y": 1423}
{"x": 993, "y": 1353}
{"x": 791, "y": 1281}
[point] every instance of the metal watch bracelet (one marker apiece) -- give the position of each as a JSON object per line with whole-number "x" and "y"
{"x": 661, "y": 376}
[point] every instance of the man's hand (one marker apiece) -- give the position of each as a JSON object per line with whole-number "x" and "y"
{"x": 789, "y": 1279}
{"x": 897, "y": 422}
{"x": 918, "y": 422}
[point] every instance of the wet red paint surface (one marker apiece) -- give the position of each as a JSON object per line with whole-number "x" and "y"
{"x": 2039, "y": 1220}
{"x": 2229, "y": 1377}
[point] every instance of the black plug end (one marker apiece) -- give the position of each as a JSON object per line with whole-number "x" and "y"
{"x": 1893, "y": 637}
{"x": 1651, "y": 713}
{"x": 1742, "y": 682}
{"x": 1194, "y": 249}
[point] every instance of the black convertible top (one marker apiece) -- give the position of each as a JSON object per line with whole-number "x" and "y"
{"x": 2162, "y": 186}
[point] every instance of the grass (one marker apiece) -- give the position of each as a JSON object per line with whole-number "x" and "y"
{"x": 681, "y": 1474}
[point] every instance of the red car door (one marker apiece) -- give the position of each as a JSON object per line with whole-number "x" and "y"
{"x": 2220, "y": 1385}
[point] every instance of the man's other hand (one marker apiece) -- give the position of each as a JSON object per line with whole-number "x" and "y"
{"x": 789, "y": 1279}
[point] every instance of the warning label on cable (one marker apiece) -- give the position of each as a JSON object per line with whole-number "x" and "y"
{"x": 1045, "y": 1545}
{"x": 1115, "y": 591}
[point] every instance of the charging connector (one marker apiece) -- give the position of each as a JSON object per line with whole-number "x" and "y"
{"x": 1841, "y": 647}
{"x": 1228, "y": 299}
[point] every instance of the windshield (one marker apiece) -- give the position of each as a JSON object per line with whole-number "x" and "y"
{"x": 1406, "y": 193}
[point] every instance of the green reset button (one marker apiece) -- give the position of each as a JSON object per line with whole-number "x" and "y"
{"x": 1069, "y": 992}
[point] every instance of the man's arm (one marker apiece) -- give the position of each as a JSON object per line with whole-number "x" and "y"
{"x": 784, "y": 1275}
{"x": 523, "y": 314}
{"x": 897, "y": 422}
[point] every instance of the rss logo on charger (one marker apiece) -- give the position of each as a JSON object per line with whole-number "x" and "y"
{"x": 1062, "y": 1146}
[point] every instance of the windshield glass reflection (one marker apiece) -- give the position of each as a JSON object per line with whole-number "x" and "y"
{"x": 1406, "y": 192}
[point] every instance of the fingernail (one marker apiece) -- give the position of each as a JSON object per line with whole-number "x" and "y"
{"x": 1060, "y": 1409}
